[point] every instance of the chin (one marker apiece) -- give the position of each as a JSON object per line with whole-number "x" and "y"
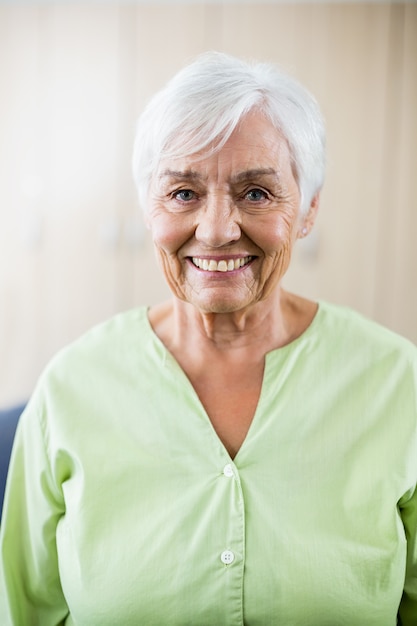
{"x": 219, "y": 305}
{"x": 220, "y": 300}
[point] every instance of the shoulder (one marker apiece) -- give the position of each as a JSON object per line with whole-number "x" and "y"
{"x": 348, "y": 327}
{"x": 106, "y": 352}
{"x": 116, "y": 333}
{"x": 346, "y": 341}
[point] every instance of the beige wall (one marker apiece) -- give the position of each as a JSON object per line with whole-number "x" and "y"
{"x": 73, "y": 79}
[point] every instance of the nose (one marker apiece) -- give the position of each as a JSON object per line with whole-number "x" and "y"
{"x": 218, "y": 222}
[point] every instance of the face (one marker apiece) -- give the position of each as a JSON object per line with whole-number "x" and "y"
{"x": 224, "y": 225}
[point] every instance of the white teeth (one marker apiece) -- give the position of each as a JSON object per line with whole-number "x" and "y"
{"x": 223, "y": 265}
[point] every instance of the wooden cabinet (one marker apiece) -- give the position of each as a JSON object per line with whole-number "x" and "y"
{"x": 73, "y": 78}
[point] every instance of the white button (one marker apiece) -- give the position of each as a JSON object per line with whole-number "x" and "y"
{"x": 227, "y": 557}
{"x": 228, "y": 470}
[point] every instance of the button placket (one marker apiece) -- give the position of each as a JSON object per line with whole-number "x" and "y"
{"x": 231, "y": 555}
{"x": 227, "y": 557}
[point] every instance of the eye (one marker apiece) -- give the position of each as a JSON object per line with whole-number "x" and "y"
{"x": 184, "y": 195}
{"x": 256, "y": 195}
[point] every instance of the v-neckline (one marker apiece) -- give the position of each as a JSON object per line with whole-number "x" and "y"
{"x": 270, "y": 358}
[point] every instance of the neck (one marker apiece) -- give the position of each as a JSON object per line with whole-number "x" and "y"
{"x": 268, "y": 325}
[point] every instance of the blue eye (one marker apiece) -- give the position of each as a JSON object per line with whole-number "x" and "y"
{"x": 255, "y": 195}
{"x": 184, "y": 195}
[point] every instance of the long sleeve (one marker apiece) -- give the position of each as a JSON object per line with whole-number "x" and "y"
{"x": 30, "y": 590}
{"x": 408, "y": 607}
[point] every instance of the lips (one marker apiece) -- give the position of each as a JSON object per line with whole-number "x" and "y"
{"x": 221, "y": 265}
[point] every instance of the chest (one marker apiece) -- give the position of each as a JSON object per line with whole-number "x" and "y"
{"x": 230, "y": 403}
{"x": 151, "y": 549}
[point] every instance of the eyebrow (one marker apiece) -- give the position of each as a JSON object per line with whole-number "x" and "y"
{"x": 254, "y": 173}
{"x": 179, "y": 175}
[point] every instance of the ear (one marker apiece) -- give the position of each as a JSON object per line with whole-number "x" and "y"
{"x": 307, "y": 222}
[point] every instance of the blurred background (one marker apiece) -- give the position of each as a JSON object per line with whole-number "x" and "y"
{"x": 73, "y": 79}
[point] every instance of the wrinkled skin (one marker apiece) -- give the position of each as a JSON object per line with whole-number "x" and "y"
{"x": 242, "y": 201}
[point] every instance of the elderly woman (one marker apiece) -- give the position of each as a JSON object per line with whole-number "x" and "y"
{"x": 238, "y": 455}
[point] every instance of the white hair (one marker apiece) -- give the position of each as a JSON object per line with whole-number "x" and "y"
{"x": 203, "y": 103}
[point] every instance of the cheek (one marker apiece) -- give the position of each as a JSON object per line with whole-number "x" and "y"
{"x": 275, "y": 235}
{"x": 168, "y": 232}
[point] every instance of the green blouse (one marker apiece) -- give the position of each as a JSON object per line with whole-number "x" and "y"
{"x": 124, "y": 508}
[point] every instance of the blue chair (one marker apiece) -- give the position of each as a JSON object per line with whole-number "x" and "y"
{"x": 8, "y": 424}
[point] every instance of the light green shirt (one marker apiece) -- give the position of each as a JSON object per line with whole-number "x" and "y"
{"x": 124, "y": 508}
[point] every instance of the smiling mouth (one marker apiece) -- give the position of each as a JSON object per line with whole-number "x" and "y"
{"x": 224, "y": 265}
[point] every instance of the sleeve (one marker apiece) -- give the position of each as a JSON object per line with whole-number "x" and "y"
{"x": 408, "y": 608}
{"x": 30, "y": 589}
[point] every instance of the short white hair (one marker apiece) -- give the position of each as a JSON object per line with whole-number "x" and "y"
{"x": 203, "y": 103}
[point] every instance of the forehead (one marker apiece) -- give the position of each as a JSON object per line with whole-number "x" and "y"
{"x": 255, "y": 145}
